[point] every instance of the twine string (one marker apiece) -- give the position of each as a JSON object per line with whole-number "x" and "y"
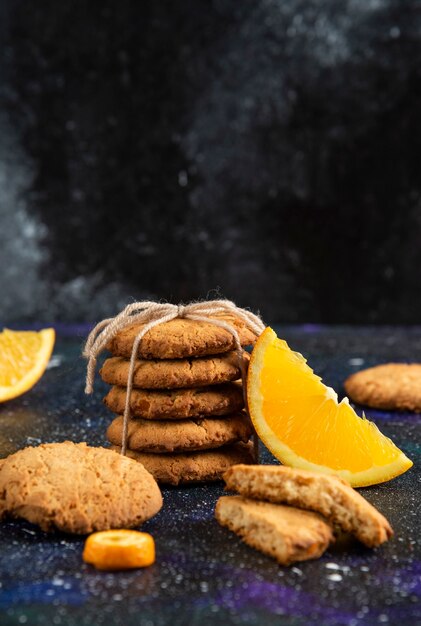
{"x": 133, "y": 356}
{"x": 151, "y": 314}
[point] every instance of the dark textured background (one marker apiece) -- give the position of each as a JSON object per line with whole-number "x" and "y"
{"x": 163, "y": 149}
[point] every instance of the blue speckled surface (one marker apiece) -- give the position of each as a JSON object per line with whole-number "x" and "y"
{"x": 203, "y": 573}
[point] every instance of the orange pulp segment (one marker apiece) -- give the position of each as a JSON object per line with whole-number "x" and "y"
{"x": 24, "y": 356}
{"x": 301, "y": 422}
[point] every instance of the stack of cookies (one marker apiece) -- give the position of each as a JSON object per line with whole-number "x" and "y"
{"x": 188, "y": 422}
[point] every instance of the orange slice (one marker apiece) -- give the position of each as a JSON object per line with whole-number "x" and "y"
{"x": 301, "y": 422}
{"x": 119, "y": 549}
{"x": 24, "y": 355}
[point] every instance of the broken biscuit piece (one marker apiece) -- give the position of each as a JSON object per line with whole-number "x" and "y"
{"x": 286, "y": 533}
{"x": 330, "y": 496}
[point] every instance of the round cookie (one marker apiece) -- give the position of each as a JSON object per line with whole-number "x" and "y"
{"x": 389, "y": 386}
{"x": 173, "y": 373}
{"x": 192, "y": 467}
{"x": 180, "y": 435}
{"x": 181, "y": 338}
{"x": 76, "y": 488}
{"x": 179, "y": 403}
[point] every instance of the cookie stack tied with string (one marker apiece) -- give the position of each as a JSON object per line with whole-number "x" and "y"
{"x": 176, "y": 376}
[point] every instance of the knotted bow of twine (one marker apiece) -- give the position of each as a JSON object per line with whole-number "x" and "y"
{"x": 152, "y": 314}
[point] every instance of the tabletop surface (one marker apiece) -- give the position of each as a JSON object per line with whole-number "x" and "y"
{"x": 203, "y": 573}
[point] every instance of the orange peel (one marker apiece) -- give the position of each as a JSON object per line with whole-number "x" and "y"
{"x": 119, "y": 549}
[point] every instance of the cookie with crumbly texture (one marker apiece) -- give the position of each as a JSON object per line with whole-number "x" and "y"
{"x": 173, "y": 373}
{"x": 192, "y": 467}
{"x": 286, "y": 533}
{"x": 178, "y": 403}
{"x": 330, "y": 496}
{"x": 180, "y": 435}
{"x": 76, "y": 489}
{"x": 389, "y": 386}
{"x": 181, "y": 338}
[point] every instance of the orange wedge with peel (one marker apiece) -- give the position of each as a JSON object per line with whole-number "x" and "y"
{"x": 302, "y": 423}
{"x": 119, "y": 549}
{"x": 24, "y": 356}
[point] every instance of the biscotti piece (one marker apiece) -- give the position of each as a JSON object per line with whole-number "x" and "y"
{"x": 192, "y": 467}
{"x": 181, "y": 338}
{"x": 173, "y": 373}
{"x": 283, "y": 532}
{"x": 390, "y": 386}
{"x": 178, "y": 403}
{"x": 330, "y": 496}
{"x": 180, "y": 435}
{"x": 77, "y": 489}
